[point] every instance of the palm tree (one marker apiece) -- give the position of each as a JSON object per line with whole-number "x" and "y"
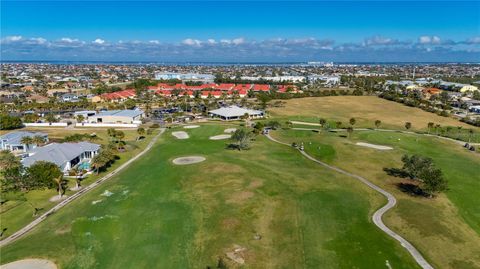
{"x": 338, "y": 124}
{"x": 98, "y": 161}
{"x": 78, "y": 177}
{"x": 39, "y": 140}
{"x": 430, "y": 126}
{"x": 378, "y": 123}
{"x": 408, "y": 125}
{"x": 80, "y": 118}
{"x": 352, "y": 121}
{"x": 27, "y": 141}
{"x": 350, "y": 131}
{"x": 322, "y": 121}
{"x": 60, "y": 181}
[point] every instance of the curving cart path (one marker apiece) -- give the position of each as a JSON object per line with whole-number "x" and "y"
{"x": 15, "y": 236}
{"x": 377, "y": 216}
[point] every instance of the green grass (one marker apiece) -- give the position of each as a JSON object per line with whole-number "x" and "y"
{"x": 445, "y": 228}
{"x": 18, "y": 210}
{"x": 167, "y": 216}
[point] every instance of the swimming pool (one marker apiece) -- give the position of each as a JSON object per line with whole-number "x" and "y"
{"x": 84, "y": 166}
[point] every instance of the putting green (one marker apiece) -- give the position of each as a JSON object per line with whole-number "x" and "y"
{"x": 169, "y": 216}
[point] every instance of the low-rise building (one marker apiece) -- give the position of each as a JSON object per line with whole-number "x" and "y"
{"x": 235, "y": 113}
{"x": 65, "y": 155}
{"x": 13, "y": 141}
{"x": 117, "y": 116}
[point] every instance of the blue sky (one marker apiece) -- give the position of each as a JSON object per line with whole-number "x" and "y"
{"x": 241, "y": 31}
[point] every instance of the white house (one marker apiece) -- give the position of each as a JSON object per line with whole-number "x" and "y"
{"x": 65, "y": 155}
{"x": 235, "y": 113}
{"x": 117, "y": 116}
{"x": 13, "y": 141}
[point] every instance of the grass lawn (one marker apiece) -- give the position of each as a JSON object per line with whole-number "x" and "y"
{"x": 18, "y": 210}
{"x": 365, "y": 109}
{"x": 166, "y": 216}
{"x": 446, "y": 228}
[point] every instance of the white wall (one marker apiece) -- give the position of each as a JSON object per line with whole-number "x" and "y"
{"x": 124, "y": 125}
{"x": 46, "y": 124}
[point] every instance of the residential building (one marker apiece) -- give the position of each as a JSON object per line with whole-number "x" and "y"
{"x": 13, "y": 141}
{"x": 65, "y": 155}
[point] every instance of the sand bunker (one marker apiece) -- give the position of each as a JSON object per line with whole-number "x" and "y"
{"x": 230, "y": 130}
{"x": 188, "y": 160}
{"x": 191, "y": 126}
{"x": 30, "y": 264}
{"x": 180, "y": 135}
{"x": 220, "y": 137}
{"x": 373, "y": 146}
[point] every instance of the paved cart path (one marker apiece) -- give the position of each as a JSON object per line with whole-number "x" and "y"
{"x": 377, "y": 216}
{"x": 81, "y": 192}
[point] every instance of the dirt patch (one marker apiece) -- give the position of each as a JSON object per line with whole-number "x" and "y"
{"x": 237, "y": 254}
{"x": 230, "y": 130}
{"x": 180, "y": 135}
{"x": 240, "y": 197}
{"x": 220, "y": 137}
{"x": 30, "y": 264}
{"x": 191, "y": 126}
{"x": 57, "y": 198}
{"x": 188, "y": 160}
{"x": 255, "y": 184}
{"x": 373, "y": 146}
{"x": 230, "y": 223}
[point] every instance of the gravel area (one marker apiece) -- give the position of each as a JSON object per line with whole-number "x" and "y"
{"x": 180, "y": 135}
{"x": 188, "y": 160}
{"x": 30, "y": 264}
{"x": 373, "y": 146}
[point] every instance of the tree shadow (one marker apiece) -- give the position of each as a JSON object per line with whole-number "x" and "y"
{"x": 411, "y": 189}
{"x": 396, "y": 172}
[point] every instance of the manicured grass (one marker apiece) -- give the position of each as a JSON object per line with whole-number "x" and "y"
{"x": 365, "y": 109}
{"x": 446, "y": 228}
{"x": 166, "y": 216}
{"x": 18, "y": 210}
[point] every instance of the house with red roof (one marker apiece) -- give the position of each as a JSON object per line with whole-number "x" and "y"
{"x": 261, "y": 87}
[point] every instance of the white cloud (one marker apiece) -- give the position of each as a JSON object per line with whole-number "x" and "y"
{"x": 156, "y": 42}
{"x": 13, "y": 38}
{"x": 378, "y": 40}
{"x": 435, "y": 40}
{"x": 68, "y": 40}
{"x": 238, "y": 41}
{"x": 211, "y": 41}
{"x": 473, "y": 40}
{"x": 99, "y": 41}
{"x": 191, "y": 42}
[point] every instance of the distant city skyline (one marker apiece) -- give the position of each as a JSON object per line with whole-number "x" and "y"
{"x": 204, "y": 31}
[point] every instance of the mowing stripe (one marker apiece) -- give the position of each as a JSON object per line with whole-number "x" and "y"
{"x": 15, "y": 236}
{"x": 377, "y": 216}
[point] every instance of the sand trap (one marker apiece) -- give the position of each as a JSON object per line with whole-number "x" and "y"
{"x": 180, "y": 135}
{"x": 188, "y": 160}
{"x": 30, "y": 264}
{"x": 191, "y": 126}
{"x": 220, "y": 137}
{"x": 373, "y": 146}
{"x": 230, "y": 130}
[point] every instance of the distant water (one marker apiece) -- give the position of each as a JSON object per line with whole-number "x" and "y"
{"x": 222, "y": 63}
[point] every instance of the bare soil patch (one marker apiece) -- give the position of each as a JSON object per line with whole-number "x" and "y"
{"x": 373, "y": 146}
{"x": 240, "y": 197}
